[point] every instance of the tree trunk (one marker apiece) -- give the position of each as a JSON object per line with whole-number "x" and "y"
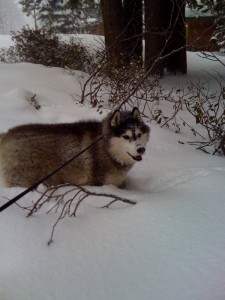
{"x": 177, "y": 62}
{"x": 133, "y": 23}
{"x": 114, "y": 31}
{"x": 154, "y": 35}
{"x": 165, "y": 33}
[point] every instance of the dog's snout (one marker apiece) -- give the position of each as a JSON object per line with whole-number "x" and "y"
{"x": 141, "y": 150}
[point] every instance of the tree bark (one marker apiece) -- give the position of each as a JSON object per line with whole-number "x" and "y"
{"x": 154, "y": 34}
{"x": 133, "y": 15}
{"x": 177, "y": 62}
{"x": 165, "y": 32}
{"x": 112, "y": 12}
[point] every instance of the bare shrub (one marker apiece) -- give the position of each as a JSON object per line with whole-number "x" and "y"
{"x": 208, "y": 109}
{"x": 108, "y": 86}
{"x": 129, "y": 86}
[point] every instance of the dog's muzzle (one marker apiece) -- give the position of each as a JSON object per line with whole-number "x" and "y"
{"x": 140, "y": 150}
{"x": 140, "y": 147}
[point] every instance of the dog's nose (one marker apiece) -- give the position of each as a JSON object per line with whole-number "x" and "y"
{"x": 141, "y": 150}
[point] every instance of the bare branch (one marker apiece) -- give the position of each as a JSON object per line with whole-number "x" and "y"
{"x": 67, "y": 200}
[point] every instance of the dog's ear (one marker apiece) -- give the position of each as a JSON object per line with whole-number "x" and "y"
{"x": 115, "y": 119}
{"x": 136, "y": 114}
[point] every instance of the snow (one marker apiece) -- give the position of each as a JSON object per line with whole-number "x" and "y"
{"x": 6, "y": 41}
{"x": 169, "y": 246}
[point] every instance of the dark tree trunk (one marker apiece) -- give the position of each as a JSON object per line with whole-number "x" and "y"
{"x": 165, "y": 33}
{"x": 133, "y": 15}
{"x": 154, "y": 35}
{"x": 114, "y": 30}
{"x": 176, "y": 33}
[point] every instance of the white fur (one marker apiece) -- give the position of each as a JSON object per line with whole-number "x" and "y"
{"x": 119, "y": 148}
{"x": 144, "y": 139}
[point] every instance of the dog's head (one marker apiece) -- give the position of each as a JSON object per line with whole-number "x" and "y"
{"x": 128, "y": 136}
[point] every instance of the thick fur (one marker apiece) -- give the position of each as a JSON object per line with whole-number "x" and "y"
{"x": 30, "y": 152}
{"x": 1, "y": 137}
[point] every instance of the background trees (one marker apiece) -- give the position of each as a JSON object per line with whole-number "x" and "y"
{"x": 162, "y": 28}
{"x": 217, "y": 8}
{"x": 127, "y": 23}
{"x": 133, "y": 19}
{"x": 114, "y": 30}
{"x": 132, "y": 27}
{"x": 176, "y": 37}
{"x": 123, "y": 30}
{"x": 68, "y": 16}
{"x": 155, "y": 35}
{"x": 31, "y": 8}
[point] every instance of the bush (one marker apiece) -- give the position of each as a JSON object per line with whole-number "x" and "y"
{"x": 42, "y": 46}
{"x": 8, "y": 55}
{"x": 128, "y": 86}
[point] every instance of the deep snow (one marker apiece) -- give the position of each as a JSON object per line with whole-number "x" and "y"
{"x": 169, "y": 246}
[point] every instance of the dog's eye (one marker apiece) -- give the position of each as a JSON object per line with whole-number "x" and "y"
{"x": 139, "y": 135}
{"x": 126, "y": 137}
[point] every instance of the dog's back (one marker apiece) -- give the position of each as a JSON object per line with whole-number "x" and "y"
{"x": 28, "y": 153}
{"x": 1, "y": 137}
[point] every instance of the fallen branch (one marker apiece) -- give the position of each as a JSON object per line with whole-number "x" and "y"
{"x": 67, "y": 199}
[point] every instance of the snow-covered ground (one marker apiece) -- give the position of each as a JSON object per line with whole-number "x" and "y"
{"x": 169, "y": 246}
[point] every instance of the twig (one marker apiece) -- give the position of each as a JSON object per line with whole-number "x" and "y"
{"x": 69, "y": 200}
{"x": 33, "y": 102}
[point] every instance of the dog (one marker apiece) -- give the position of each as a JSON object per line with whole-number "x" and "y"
{"x": 30, "y": 152}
